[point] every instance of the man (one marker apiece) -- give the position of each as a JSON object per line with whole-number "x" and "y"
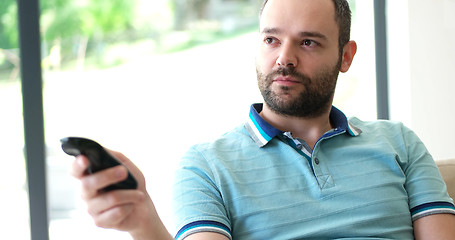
{"x": 299, "y": 168}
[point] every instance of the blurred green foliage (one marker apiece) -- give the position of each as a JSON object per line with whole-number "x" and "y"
{"x": 68, "y": 21}
{"x": 67, "y": 18}
{"x": 8, "y": 24}
{"x": 77, "y": 33}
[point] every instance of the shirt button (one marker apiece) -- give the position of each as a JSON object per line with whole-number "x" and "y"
{"x": 299, "y": 146}
{"x": 316, "y": 160}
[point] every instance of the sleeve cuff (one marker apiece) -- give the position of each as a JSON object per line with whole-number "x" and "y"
{"x": 203, "y": 226}
{"x": 432, "y": 208}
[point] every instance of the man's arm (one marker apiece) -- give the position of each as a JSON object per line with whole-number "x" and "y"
{"x": 206, "y": 236}
{"x": 436, "y": 226}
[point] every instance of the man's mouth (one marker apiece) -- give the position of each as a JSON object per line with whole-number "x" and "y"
{"x": 286, "y": 81}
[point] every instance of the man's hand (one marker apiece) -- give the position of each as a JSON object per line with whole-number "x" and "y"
{"x": 126, "y": 210}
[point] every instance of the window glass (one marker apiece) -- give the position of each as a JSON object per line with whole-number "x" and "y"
{"x": 356, "y": 89}
{"x": 13, "y": 187}
{"x": 151, "y": 78}
{"x": 148, "y": 78}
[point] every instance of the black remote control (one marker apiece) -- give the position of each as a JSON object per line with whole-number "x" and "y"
{"x": 99, "y": 159}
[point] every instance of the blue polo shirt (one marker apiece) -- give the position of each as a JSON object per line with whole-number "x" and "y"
{"x": 361, "y": 180}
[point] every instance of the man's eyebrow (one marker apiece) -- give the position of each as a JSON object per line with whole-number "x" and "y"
{"x": 301, "y": 34}
{"x": 313, "y": 34}
{"x": 271, "y": 30}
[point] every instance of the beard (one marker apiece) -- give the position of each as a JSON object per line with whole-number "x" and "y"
{"x": 312, "y": 101}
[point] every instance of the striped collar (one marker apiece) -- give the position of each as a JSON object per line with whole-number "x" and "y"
{"x": 262, "y": 132}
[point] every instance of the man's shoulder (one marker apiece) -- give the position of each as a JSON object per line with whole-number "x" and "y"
{"x": 392, "y": 130}
{"x": 233, "y": 139}
{"x": 375, "y": 125}
{"x": 223, "y": 151}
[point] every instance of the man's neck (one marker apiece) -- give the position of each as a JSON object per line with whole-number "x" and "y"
{"x": 308, "y": 129}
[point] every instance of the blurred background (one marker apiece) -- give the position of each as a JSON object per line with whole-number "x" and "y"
{"x": 152, "y": 78}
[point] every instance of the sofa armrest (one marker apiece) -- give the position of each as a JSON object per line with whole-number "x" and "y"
{"x": 447, "y": 169}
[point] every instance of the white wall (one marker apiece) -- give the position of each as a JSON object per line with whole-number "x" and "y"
{"x": 422, "y": 65}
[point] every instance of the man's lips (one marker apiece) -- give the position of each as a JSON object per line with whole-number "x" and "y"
{"x": 286, "y": 81}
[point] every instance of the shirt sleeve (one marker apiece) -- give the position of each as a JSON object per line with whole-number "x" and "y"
{"x": 426, "y": 189}
{"x": 197, "y": 203}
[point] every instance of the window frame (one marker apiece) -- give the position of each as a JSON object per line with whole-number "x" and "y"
{"x": 32, "y": 107}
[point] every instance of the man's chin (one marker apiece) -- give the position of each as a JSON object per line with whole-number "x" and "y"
{"x": 282, "y": 108}
{"x": 293, "y": 109}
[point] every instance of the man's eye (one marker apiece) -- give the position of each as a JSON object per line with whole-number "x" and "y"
{"x": 269, "y": 40}
{"x": 310, "y": 43}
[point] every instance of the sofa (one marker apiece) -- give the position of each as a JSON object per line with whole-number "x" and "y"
{"x": 447, "y": 169}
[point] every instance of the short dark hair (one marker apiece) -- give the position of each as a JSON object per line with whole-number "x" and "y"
{"x": 342, "y": 18}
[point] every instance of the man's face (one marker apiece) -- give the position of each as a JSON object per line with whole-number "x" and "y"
{"x": 298, "y": 60}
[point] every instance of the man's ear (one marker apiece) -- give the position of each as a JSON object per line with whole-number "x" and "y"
{"x": 349, "y": 51}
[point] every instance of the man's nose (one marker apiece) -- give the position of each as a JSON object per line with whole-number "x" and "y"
{"x": 287, "y": 56}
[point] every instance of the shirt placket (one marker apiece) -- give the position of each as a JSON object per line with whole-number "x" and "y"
{"x": 317, "y": 163}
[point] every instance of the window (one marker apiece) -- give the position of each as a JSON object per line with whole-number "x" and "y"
{"x": 356, "y": 89}
{"x": 13, "y": 185}
{"x": 145, "y": 88}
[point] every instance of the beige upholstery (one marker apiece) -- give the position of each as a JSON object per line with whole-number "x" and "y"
{"x": 447, "y": 169}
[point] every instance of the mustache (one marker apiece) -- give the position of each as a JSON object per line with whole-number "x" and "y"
{"x": 286, "y": 71}
{"x": 292, "y": 72}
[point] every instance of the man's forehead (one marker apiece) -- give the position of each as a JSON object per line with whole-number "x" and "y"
{"x": 299, "y": 7}
{"x": 302, "y": 15}
{"x": 303, "y": 2}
